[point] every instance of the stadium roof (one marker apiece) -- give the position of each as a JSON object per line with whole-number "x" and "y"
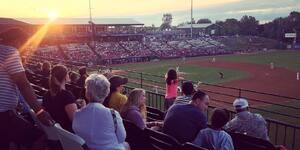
{"x": 187, "y": 26}
{"x": 10, "y": 21}
{"x": 83, "y": 21}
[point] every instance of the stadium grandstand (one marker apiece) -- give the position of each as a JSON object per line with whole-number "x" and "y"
{"x": 68, "y": 90}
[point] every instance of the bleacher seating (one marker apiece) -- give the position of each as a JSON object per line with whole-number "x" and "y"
{"x": 143, "y": 139}
{"x": 190, "y": 146}
{"x": 154, "y": 114}
{"x": 244, "y": 142}
{"x": 135, "y": 136}
{"x": 161, "y": 141}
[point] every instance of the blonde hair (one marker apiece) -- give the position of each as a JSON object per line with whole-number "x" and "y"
{"x": 133, "y": 100}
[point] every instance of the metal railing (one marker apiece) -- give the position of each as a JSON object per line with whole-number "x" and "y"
{"x": 224, "y": 95}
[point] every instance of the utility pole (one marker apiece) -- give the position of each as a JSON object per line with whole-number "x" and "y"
{"x": 91, "y": 23}
{"x": 93, "y": 33}
{"x": 90, "y": 8}
{"x": 191, "y": 18}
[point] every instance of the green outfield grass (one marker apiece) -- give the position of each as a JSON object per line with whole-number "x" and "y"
{"x": 191, "y": 72}
{"x": 285, "y": 59}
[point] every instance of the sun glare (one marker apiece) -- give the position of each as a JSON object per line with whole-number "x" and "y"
{"x": 52, "y": 15}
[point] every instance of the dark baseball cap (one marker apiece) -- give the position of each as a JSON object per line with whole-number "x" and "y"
{"x": 116, "y": 81}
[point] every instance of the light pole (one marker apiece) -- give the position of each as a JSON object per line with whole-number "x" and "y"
{"x": 92, "y": 25}
{"x": 295, "y": 39}
{"x": 90, "y": 8}
{"x": 191, "y": 18}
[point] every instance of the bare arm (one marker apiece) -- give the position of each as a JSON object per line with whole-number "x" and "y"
{"x": 26, "y": 90}
{"x": 70, "y": 110}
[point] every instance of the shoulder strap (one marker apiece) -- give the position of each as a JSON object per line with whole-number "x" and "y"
{"x": 113, "y": 113}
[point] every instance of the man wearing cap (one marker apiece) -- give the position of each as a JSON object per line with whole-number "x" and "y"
{"x": 116, "y": 99}
{"x": 246, "y": 122}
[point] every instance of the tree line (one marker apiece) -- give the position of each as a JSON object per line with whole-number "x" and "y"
{"x": 249, "y": 25}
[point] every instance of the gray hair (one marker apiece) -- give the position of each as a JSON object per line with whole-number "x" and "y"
{"x": 97, "y": 87}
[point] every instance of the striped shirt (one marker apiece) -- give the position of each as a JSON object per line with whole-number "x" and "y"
{"x": 183, "y": 100}
{"x": 10, "y": 64}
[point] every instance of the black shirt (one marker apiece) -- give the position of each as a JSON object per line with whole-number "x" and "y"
{"x": 81, "y": 81}
{"x": 55, "y": 105}
{"x": 183, "y": 122}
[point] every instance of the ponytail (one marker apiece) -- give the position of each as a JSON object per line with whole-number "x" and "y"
{"x": 58, "y": 75}
{"x": 54, "y": 85}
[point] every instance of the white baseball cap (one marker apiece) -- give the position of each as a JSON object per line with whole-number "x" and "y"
{"x": 240, "y": 103}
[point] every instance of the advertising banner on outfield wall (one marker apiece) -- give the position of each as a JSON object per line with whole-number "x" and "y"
{"x": 290, "y": 35}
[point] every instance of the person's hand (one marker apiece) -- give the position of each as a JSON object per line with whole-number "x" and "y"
{"x": 45, "y": 118}
{"x": 81, "y": 103}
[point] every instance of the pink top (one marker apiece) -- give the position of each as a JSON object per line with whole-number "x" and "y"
{"x": 171, "y": 90}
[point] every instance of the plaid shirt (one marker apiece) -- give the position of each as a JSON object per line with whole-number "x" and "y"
{"x": 248, "y": 123}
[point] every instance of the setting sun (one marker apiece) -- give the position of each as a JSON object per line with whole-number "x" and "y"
{"x": 52, "y": 15}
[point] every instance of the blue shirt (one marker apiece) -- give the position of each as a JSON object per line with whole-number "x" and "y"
{"x": 183, "y": 122}
{"x": 214, "y": 139}
{"x": 94, "y": 123}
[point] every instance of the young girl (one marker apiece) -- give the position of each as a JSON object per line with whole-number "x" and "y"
{"x": 171, "y": 88}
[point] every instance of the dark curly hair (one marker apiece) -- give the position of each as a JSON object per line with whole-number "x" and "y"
{"x": 171, "y": 76}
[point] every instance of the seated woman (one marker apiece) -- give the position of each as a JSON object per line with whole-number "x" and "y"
{"x": 59, "y": 102}
{"x": 135, "y": 109}
{"x": 100, "y": 127}
{"x": 215, "y": 138}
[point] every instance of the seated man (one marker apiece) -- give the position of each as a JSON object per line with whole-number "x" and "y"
{"x": 187, "y": 93}
{"x": 215, "y": 138}
{"x": 183, "y": 122}
{"x": 246, "y": 122}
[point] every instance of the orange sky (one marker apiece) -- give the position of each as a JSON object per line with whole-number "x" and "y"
{"x": 101, "y": 8}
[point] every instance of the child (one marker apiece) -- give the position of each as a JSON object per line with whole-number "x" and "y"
{"x": 215, "y": 138}
{"x": 171, "y": 88}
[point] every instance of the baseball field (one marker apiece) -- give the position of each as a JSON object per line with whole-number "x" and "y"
{"x": 272, "y": 72}
{"x": 268, "y": 79}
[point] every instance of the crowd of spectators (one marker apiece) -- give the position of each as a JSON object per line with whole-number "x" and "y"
{"x": 151, "y": 47}
{"x": 98, "y": 119}
{"x": 148, "y": 48}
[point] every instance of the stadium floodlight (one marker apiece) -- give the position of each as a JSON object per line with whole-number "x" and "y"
{"x": 191, "y": 18}
{"x": 90, "y": 9}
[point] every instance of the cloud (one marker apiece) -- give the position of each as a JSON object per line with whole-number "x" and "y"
{"x": 151, "y": 11}
{"x": 264, "y": 10}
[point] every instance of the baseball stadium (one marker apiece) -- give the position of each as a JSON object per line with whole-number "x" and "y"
{"x": 193, "y": 80}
